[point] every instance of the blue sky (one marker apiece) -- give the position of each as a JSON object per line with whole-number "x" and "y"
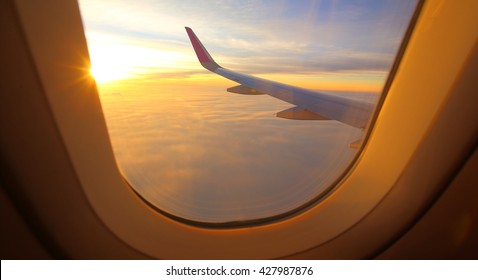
{"x": 258, "y": 37}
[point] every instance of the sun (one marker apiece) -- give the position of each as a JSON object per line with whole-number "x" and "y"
{"x": 117, "y": 58}
{"x": 109, "y": 62}
{"x": 107, "y": 72}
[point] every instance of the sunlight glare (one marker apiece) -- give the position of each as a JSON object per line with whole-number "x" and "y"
{"x": 123, "y": 59}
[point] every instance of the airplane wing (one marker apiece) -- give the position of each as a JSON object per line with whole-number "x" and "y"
{"x": 310, "y": 105}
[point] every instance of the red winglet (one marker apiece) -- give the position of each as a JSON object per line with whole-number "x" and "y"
{"x": 204, "y": 57}
{"x": 201, "y": 52}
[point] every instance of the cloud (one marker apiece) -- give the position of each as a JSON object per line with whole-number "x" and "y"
{"x": 183, "y": 140}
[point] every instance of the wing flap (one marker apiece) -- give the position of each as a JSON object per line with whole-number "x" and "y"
{"x": 240, "y": 89}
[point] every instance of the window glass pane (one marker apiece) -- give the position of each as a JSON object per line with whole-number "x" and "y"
{"x": 197, "y": 152}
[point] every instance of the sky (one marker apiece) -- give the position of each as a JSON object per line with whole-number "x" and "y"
{"x": 326, "y": 44}
{"x": 200, "y": 153}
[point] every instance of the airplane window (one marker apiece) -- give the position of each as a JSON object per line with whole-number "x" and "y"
{"x": 260, "y": 150}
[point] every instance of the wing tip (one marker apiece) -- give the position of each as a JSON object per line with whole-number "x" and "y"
{"x": 202, "y": 54}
